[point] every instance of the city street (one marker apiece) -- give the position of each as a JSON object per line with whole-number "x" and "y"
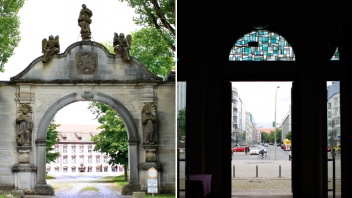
{"x": 249, "y": 166}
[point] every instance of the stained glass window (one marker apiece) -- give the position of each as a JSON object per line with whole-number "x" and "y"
{"x": 261, "y": 45}
{"x": 336, "y": 56}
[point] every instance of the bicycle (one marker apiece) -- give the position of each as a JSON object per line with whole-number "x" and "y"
{"x": 263, "y": 157}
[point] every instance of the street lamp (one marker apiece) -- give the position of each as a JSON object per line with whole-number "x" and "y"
{"x": 275, "y": 122}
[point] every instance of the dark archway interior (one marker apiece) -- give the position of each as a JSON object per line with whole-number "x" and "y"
{"x": 205, "y": 35}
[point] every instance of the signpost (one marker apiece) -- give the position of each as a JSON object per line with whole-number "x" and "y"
{"x": 152, "y": 181}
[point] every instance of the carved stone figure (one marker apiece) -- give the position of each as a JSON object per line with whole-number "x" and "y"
{"x": 24, "y": 121}
{"x": 84, "y": 21}
{"x": 122, "y": 46}
{"x": 149, "y": 122}
{"x": 50, "y": 47}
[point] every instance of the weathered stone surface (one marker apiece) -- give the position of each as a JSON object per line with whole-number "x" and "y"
{"x": 44, "y": 189}
{"x": 67, "y": 78}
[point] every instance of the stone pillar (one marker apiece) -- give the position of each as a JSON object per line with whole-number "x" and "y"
{"x": 24, "y": 170}
{"x": 42, "y": 188}
{"x": 133, "y": 184}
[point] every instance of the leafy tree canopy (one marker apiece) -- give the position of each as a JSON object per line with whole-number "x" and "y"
{"x": 112, "y": 140}
{"x": 52, "y": 138}
{"x": 149, "y": 47}
{"x": 160, "y": 15}
{"x": 9, "y": 29}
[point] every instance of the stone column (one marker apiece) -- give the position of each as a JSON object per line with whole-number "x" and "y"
{"x": 42, "y": 188}
{"x": 133, "y": 184}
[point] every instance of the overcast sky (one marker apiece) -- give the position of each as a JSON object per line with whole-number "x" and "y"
{"x": 42, "y": 18}
{"x": 259, "y": 100}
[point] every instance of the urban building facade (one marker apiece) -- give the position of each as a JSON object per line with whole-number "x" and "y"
{"x": 244, "y": 129}
{"x": 77, "y": 152}
{"x": 333, "y": 114}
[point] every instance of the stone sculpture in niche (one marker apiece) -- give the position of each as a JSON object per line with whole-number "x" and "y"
{"x": 84, "y": 21}
{"x": 122, "y": 46}
{"x": 25, "y": 125}
{"x": 149, "y": 121}
{"x": 50, "y": 47}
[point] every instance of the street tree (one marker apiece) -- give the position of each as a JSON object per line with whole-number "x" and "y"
{"x": 9, "y": 29}
{"x": 52, "y": 138}
{"x": 112, "y": 140}
{"x": 161, "y": 15}
{"x": 264, "y": 137}
{"x": 289, "y": 135}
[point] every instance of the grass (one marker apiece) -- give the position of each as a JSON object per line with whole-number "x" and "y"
{"x": 119, "y": 180}
{"x": 89, "y": 188}
{"x": 160, "y": 196}
{"x": 49, "y": 177}
{"x": 3, "y": 196}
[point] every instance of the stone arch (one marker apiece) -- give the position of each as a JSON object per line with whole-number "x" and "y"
{"x": 41, "y": 186}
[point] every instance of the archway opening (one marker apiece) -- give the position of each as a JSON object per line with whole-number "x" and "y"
{"x": 92, "y": 146}
{"x": 261, "y": 138}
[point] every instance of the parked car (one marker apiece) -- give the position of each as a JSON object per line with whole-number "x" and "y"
{"x": 266, "y": 144}
{"x": 238, "y": 149}
{"x": 255, "y": 150}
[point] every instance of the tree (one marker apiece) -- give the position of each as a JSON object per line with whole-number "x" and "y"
{"x": 112, "y": 140}
{"x": 181, "y": 123}
{"x": 160, "y": 15}
{"x": 289, "y": 135}
{"x": 52, "y": 138}
{"x": 9, "y": 29}
{"x": 264, "y": 137}
{"x": 149, "y": 47}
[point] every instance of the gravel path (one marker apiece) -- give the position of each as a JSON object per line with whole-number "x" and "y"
{"x": 83, "y": 186}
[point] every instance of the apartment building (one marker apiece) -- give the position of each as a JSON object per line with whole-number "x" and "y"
{"x": 77, "y": 151}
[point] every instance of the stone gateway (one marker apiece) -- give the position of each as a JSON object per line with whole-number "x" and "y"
{"x": 86, "y": 71}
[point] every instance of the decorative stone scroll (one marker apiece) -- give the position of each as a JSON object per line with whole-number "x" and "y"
{"x": 87, "y": 62}
{"x": 87, "y": 95}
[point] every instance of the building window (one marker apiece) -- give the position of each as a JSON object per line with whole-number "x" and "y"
{"x": 81, "y": 148}
{"x": 73, "y": 159}
{"x": 65, "y": 169}
{"x": 97, "y": 169}
{"x": 81, "y": 159}
{"x": 48, "y": 169}
{"x": 105, "y": 159}
{"x": 56, "y": 169}
{"x": 105, "y": 169}
{"x": 90, "y": 169}
{"x": 73, "y": 149}
{"x": 89, "y": 159}
{"x": 65, "y": 159}
{"x": 97, "y": 159}
{"x": 329, "y": 105}
{"x": 89, "y": 149}
{"x": 73, "y": 169}
{"x": 56, "y": 148}
{"x": 64, "y": 150}
{"x": 57, "y": 160}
